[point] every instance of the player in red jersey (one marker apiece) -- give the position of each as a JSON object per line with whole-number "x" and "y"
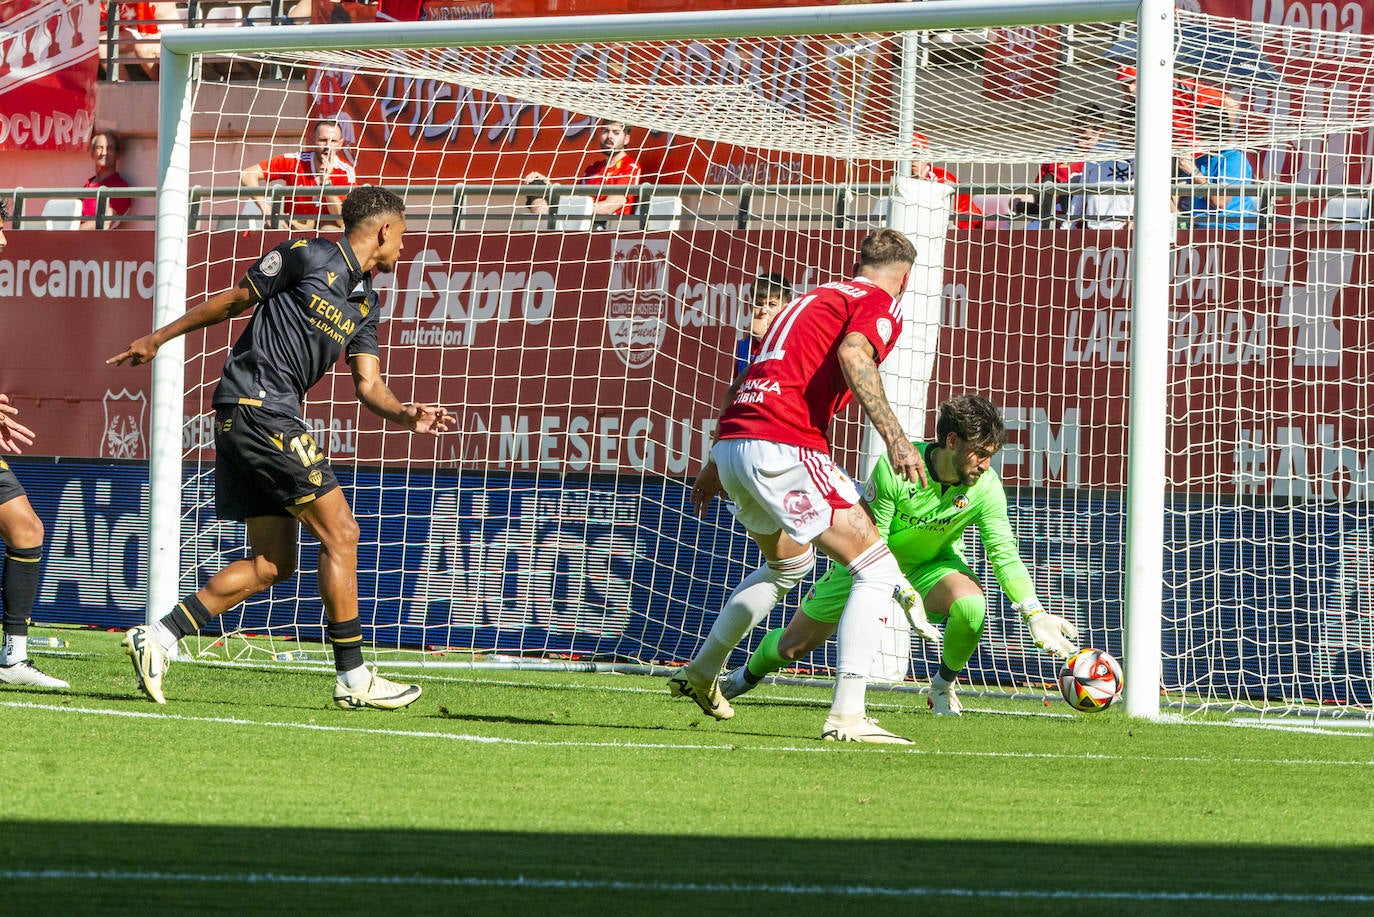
{"x": 772, "y": 458}
{"x": 618, "y": 168}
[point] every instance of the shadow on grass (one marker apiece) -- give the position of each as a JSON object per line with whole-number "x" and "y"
{"x": 66, "y": 867}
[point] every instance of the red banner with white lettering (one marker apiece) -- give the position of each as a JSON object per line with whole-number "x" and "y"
{"x": 405, "y": 129}
{"x": 617, "y": 362}
{"x": 1021, "y": 62}
{"x": 48, "y": 59}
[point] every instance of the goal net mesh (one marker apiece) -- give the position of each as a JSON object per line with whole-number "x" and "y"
{"x": 586, "y": 352}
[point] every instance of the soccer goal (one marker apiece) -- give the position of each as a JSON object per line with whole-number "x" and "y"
{"x": 1182, "y": 360}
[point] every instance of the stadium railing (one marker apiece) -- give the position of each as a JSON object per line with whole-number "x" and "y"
{"x": 463, "y": 207}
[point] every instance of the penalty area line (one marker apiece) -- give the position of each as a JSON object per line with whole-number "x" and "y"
{"x": 610, "y": 885}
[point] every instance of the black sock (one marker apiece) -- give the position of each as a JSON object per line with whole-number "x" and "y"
{"x": 947, "y": 673}
{"x": 749, "y": 677}
{"x": 347, "y": 637}
{"x": 187, "y": 618}
{"x": 20, "y": 588}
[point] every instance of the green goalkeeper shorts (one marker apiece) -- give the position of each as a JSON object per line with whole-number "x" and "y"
{"x": 825, "y": 601}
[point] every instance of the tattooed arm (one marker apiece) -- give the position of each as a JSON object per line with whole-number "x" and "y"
{"x": 861, "y": 373}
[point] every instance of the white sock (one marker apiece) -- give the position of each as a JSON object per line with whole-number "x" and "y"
{"x": 938, "y": 682}
{"x": 16, "y": 649}
{"x": 164, "y": 636}
{"x": 354, "y": 679}
{"x": 759, "y": 593}
{"x": 875, "y": 572}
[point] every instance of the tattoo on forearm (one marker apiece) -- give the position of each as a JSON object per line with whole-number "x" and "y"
{"x": 867, "y": 386}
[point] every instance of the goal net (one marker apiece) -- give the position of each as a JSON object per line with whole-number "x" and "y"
{"x": 584, "y": 332}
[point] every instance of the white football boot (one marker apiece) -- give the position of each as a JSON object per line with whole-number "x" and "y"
{"x": 24, "y": 672}
{"x": 707, "y": 695}
{"x": 149, "y": 659}
{"x": 856, "y": 727}
{"x": 379, "y": 693}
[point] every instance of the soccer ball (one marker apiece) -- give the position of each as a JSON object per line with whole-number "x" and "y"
{"x": 1091, "y": 680}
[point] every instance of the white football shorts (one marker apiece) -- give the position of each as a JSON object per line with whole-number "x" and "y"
{"x": 776, "y": 486}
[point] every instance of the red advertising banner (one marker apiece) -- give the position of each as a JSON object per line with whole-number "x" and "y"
{"x": 616, "y": 361}
{"x": 409, "y": 129}
{"x": 48, "y": 59}
{"x": 1021, "y": 62}
{"x": 1321, "y": 77}
{"x": 73, "y": 299}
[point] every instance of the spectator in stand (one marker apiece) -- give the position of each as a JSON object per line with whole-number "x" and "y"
{"x": 1051, "y": 208}
{"x": 769, "y": 293}
{"x": 1220, "y": 166}
{"x": 964, "y": 204}
{"x": 314, "y": 168}
{"x": 106, "y": 148}
{"x": 136, "y": 34}
{"x": 618, "y": 168}
{"x": 1191, "y": 98}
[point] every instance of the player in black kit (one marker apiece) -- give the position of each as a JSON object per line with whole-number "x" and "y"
{"x": 315, "y": 302}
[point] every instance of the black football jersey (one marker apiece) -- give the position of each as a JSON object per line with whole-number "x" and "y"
{"x": 316, "y": 305}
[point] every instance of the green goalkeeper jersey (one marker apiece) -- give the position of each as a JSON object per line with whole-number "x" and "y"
{"x": 921, "y": 525}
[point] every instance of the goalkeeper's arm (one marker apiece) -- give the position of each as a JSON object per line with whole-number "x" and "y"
{"x": 1049, "y": 632}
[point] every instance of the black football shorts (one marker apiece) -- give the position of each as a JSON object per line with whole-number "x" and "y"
{"x": 266, "y": 464}
{"x": 9, "y": 484}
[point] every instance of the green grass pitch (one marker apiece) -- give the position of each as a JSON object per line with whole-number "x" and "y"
{"x": 543, "y": 793}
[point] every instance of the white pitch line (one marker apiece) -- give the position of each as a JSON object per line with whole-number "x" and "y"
{"x": 818, "y": 748}
{"x": 752, "y": 888}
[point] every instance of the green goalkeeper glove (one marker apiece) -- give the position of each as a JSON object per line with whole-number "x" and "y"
{"x": 1049, "y": 632}
{"x": 915, "y": 610}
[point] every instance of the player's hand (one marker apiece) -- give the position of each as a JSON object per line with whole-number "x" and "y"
{"x": 428, "y": 418}
{"x": 906, "y": 461}
{"x": 13, "y": 434}
{"x": 139, "y": 352}
{"x": 1050, "y": 633}
{"x": 706, "y": 488}
{"x": 915, "y": 611}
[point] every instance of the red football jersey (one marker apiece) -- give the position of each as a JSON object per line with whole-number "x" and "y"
{"x": 625, "y": 172}
{"x": 795, "y": 385}
{"x": 298, "y": 170}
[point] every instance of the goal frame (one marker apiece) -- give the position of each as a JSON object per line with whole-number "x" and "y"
{"x": 1145, "y": 486}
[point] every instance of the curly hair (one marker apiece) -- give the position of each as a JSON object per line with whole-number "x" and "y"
{"x": 367, "y": 201}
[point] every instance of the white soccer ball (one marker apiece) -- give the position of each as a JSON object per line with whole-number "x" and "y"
{"x": 1091, "y": 680}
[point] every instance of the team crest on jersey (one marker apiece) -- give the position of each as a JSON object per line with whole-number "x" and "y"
{"x": 271, "y": 263}
{"x": 123, "y": 438}
{"x": 961, "y": 501}
{"x": 637, "y": 301}
{"x": 885, "y": 330}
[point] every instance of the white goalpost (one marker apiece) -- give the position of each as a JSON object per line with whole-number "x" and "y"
{"x": 1182, "y": 362}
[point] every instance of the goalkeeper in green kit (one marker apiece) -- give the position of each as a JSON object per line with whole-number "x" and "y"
{"x": 923, "y": 526}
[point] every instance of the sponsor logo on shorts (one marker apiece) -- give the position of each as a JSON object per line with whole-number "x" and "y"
{"x": 798, "y": 505}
